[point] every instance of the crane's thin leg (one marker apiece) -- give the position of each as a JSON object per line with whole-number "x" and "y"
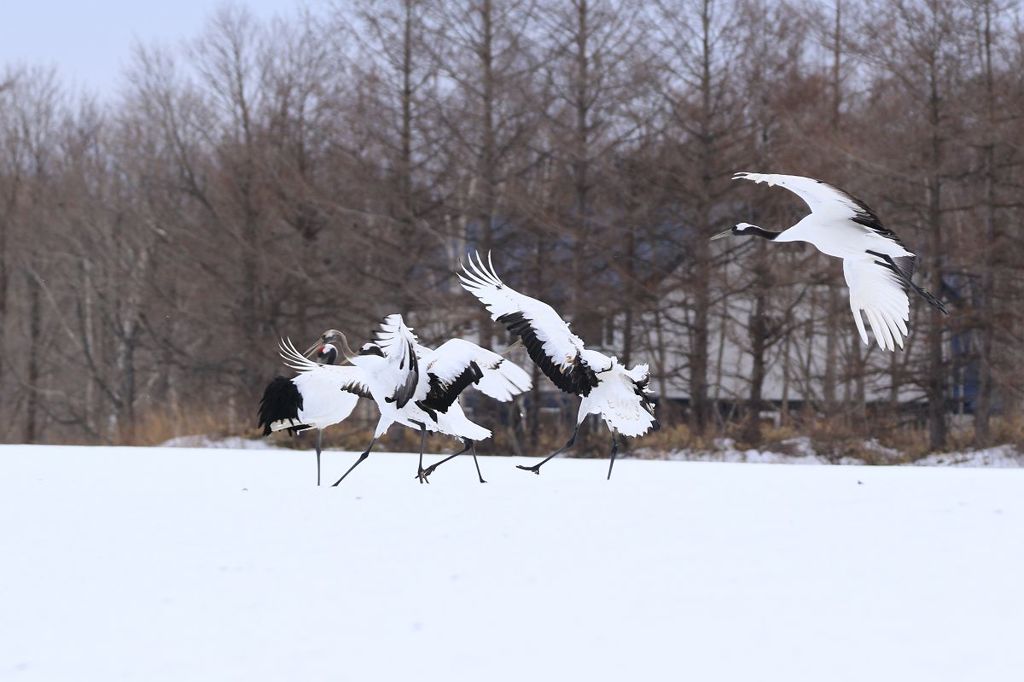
{"x": 615, "y": 450}
{"x": 421, "y": 474}
{"x": 366, "y": 453}
{"x": 430, "y": 469}
{"x": 536, "y": 467}
{"x": 319, "y": 436}
{"x": 478, "y": 474}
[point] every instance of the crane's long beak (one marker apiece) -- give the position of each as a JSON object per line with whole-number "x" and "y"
{"x": 723, "y": 233}
{"x": 312, "y": 349}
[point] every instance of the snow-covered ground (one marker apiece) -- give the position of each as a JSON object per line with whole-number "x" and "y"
{"x": 219, "y": 564}
{"x": 800, "y": 450}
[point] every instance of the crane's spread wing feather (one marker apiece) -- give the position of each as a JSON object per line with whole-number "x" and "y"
{"x": 399, "y": 344}
{"x": 825, "y": 201}
{"x": 547, "y": 337}
{"x": 903, "y": 268}
{"x": 347, "y": 378}
{"x": 442, "y": 392}
{"x": 504, "y": 381}
{"x": 458, "y": 363}
{"x": 624, "y": 401}
{"x": 880, "y": 292}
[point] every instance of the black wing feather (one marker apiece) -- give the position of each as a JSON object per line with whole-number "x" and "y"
{"x": 358, "y": 389}
{"x": 442, "y": 395}
{"x": 580, "y": 378}
{"x": 640, "y": 388}
{"x": 405, "y": 392}
{"x": 863, "y": 215}
{"x": 903, "y": 269}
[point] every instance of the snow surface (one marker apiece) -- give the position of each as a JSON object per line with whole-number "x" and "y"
{"x": 800, "y": 450}
{"x": 216, "y": 564}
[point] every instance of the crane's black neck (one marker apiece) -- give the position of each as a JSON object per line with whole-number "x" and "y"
{"x": 754, "y": 230}
{"x": 328, "y": 355}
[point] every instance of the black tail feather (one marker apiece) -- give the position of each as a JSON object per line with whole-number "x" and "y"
{"x": 927, "y": 295}
{"x": 903, "y": 268}
{"x": 281, "y": 400}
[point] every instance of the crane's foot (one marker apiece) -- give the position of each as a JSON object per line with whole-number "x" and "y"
{"x": 423, "y": 474}
{"x": 535, "y": 468}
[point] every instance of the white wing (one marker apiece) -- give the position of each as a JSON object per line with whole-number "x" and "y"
{"x": 458, "y": 363}
{"x": 347, "y": 378}
{"x": 394, "y": 336}
{"x": 547, "y": 337}
{"x": 826, "y": 201}
{"x": 623, "y": 401}
{"x": 876, "y": 290}
{"x": 823, "y": 199}
{"x": 329, "y": 392}
{"x": 505, "y": 381}
{"x": 399, "y": 346}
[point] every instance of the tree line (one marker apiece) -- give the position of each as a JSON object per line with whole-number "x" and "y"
{"x": 276, "y": 178}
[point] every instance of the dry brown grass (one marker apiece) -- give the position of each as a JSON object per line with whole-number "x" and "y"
{"x": 833, "y": 439}
{"x": 1008, "y": 430}
{"x": 158, "y": 426}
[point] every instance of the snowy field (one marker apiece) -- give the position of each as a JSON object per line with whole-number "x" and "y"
{"x": 218, "y": 564}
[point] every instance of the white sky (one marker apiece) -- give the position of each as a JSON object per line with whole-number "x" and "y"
{"x": 89, "y": 41}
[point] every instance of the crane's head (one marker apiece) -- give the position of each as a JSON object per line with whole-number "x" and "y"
{"x": 325, "y": 350}
{"x": 371, "y": 349}
{"x": 739, "y": 229}
{"x": 745, "y": 230}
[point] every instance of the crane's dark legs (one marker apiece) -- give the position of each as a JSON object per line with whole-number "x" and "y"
{"x": 430, "y": 469}
{"x": 319, "y": 437}
{"x": 478, "y": 474}
{"x": 359, "y": 461}
{"x": 536, "y": 467}
{"x": 421, "y": 474}
{"x": 615, "y": 450}
{"x": 470, "y": 445}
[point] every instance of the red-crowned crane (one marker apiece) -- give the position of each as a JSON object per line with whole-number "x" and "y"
{"x": 619, "y": 395}
{"x": 878, "y": 267}
{"x": 312, "y": 399}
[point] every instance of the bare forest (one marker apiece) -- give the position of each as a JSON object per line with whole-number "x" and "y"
{"x": 277, "y": 178}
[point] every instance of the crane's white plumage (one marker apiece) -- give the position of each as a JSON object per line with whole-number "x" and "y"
{"x": 329, "y": 392}
{"x": 318, "y": 395}
{"x": 877, "y": 266}
{"x": 397, "y": 376}
{"x": 881, "y": 296}
{"x": 505, "y": 381}
{"x": 827, "y": 203}
{"x": 608, "y": 389}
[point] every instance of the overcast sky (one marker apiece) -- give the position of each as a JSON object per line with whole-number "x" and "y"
{"x": 90, "y": 41}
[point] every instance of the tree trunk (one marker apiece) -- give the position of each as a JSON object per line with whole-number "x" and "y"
{"x": 35, "y": 333}
{"x": 987, "y": 312}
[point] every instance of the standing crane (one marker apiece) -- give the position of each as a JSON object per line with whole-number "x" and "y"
{"x": 312, "y": 399}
